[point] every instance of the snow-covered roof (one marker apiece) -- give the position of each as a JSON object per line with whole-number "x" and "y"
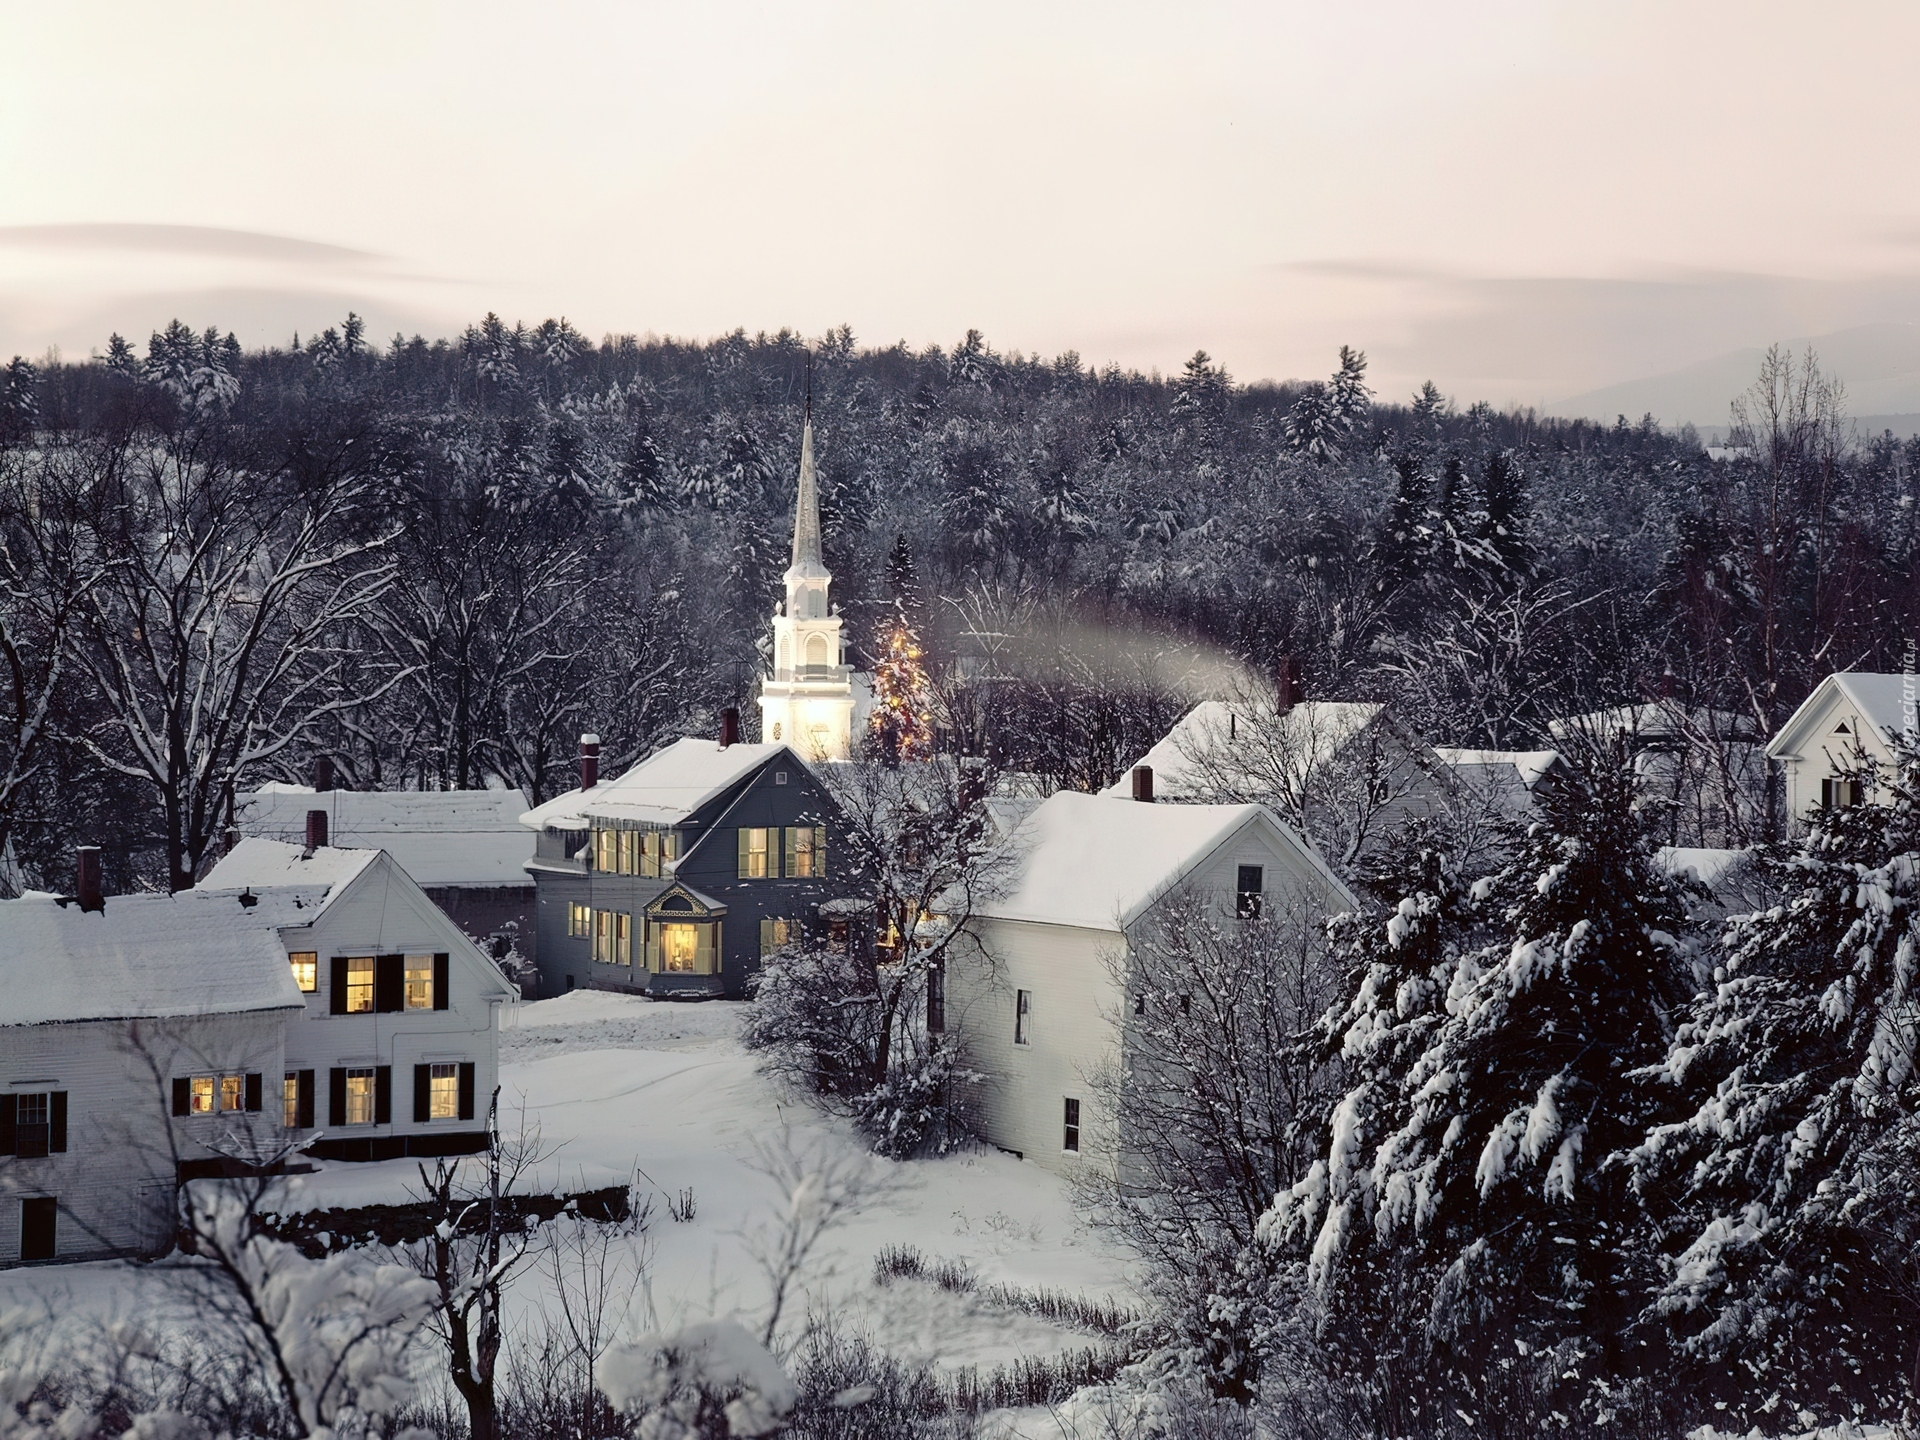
{"x": 1653, "y": 720}
{"x": 1883, "y": 701}
{"x": 439, "y": 837}
{"x": 274, "y": 866}
{"x": 1098, "y": 862}
{"x": 145, "y": 957}
{"x": 663, "y": 789}
{"x": 1248, "y": 748}
{"x": 1530, "y": 767}
{"x": 1707, "y": 865}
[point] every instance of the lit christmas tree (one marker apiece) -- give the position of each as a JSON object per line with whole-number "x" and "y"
{"x": 902, "y": 721}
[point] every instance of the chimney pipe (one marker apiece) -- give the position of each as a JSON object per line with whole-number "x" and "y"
{"x": 1143, "y": 784}
{"x": 316, "y": 830}
{"x": 589, "y": 761}
{"x": 729, "y": 727}
{"x": 87, "y": 877}
{"x": 323, "y": 773}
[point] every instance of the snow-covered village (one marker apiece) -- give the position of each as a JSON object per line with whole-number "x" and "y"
{"x": 1318, "y": 840}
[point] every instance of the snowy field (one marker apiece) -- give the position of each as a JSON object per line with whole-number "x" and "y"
{"x": 624, "y": 1088}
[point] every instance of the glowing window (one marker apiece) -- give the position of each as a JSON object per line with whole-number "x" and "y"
{"x": 419, "y": 982}
{"x": 680, "y": 949}
{"x": 290, "y": 1101}
{"x": 204, "y": 1089}
{"x": 360, "y": 1097}
{"x": 757, "y": 859}
{"x": 233, "y": 1093}
{"x": 579, "y": 920}
{"x": 306, "y": 970}
{"x": 806, "y": 850}
{"x": 360, "y": 985}
{"x": 443, "y": 1093}
{"x": 775, "y": 934}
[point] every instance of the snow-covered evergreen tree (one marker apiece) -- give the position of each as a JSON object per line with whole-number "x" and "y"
{"x": 1789, "y": 1172}
{"x": 1486, "y": 1159}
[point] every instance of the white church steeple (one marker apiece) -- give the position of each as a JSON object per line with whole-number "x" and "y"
{"x": 807, "y": 702}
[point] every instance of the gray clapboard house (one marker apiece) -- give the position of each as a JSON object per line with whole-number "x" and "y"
{"x": 675, "y": 879}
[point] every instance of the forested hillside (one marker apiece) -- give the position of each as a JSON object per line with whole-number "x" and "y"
{"x": 438, "y": 562}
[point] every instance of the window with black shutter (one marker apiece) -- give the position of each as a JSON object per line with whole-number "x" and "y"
{"x": 383, "y": 1095}
{"x": 466, "y": 1090}
{"x": 182, "y": 1095}
{"x": 57, "y": 1122}
{"x": 304, "y": 1119}
{"x": 253, "y": 1090}
{"x": 31, "y": 1118}
{"x": 336, "y": 1097}
{"x": 37, "y": 1216}
{"x": 422, "y": 1094}
{"x": 8, "y": 1108}
{"x": 442, "y": 993}
{"x": 390, "y": 984}
{"x": 337, "y": 986}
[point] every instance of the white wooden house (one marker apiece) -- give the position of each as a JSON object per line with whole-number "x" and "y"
{"x": 1850, "y": 716}
{"x": 396, "y": 1048}
{"x": 302, "y": 993}
{"x": 1032, "y": 990}
{"x": 106, "y": 1011}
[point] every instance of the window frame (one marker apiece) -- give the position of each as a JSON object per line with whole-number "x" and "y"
{"x": 451, "y": 1089}
{"x": 579, "y": 920}
{"x": 1023, "y": 1017}
{"x": 1249, "y": 900}
{"x": 408, "y": 972}
{"x": 370, "y": 1095}
{"x": 1070, "y": 1126}
{"x": 367, "y": 989}
{"x": 758, "y": 846}
{"x": 27, "y": 1144}
{"x": 308, "y": 979}
{"x": 290, "y": 1101}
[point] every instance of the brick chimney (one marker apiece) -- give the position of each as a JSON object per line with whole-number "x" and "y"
{"x": 729, "y": 727}
{"x": 316, "y": 830}
{"x": 87, "y": 878}
{"x": 1286, "y": 682}
{"x": 1143, "y": 784}
{"x": 323, "y": 773}
{"x": 589, "y": 760}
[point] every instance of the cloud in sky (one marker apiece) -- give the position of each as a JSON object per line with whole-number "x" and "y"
{"x": 1520, "y": 200}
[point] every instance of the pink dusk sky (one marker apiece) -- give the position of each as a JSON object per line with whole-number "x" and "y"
{"x": 1520, "y": 201}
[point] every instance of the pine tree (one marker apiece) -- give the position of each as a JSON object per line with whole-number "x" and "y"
{"x": 19, "y": 402}
{"x": 1322, "y": 421}
{"x": 1491, "y": 1167}
{"x": 645, "y": 470}
{"x": 902, "y": 722}
{"x": 1788, "y": 1170}
{"x": 1503, "y": 523}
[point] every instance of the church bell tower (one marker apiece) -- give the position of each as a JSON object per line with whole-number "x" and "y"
{"x": 807, "y": 702}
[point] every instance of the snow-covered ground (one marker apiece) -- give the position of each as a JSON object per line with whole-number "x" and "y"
{"x": 621, "y": 1087}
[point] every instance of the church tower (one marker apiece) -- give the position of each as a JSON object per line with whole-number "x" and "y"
{"x": 808, "y": 701}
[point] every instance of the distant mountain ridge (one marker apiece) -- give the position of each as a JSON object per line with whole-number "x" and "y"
{"x": 1879, "y": 364}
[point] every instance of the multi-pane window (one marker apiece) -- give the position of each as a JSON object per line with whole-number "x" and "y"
{"x": 360, "y": 1097}
{"x": 290, "y": 1101}
{"x": 579, "y": 920}
{"x": 1022, "y": 1017}
{"x": 613, "y": 937}
{"x": 757, "y": 858}
{"x": 233, "y": 1092}
{"x": 1070, "y": 1139}
{"x": 661, "y": 848}
{"x": 680, "y": 948}
{"x": 205, "y": 1090}
{"x": 1247, "y": 887}
{"x": 775, "y": 934}
{"x": 806, "y": 851}
{"x": 359, "y": 984}
{"x": 419, "y": 982}
{"x": 306, "y": 970}
{"x": 443, "y": 1092}
{"x": 32, "y": 1123}
{"x": 606, "y": 851}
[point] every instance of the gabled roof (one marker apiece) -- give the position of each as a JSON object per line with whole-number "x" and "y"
{"x": 1881, "y": 700}
{"x": 145, "y": 957}
{"x": 1099, "y": 863}
{"x": 439, "y": 837}
{"x": 663, "y": 789}
{"x": 1528, "y": 767}
{"x": 275, "y": 865}
{"x": 1248, "y": 749}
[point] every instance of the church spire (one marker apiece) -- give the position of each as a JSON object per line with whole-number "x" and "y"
{"x": 806, "y": 510}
